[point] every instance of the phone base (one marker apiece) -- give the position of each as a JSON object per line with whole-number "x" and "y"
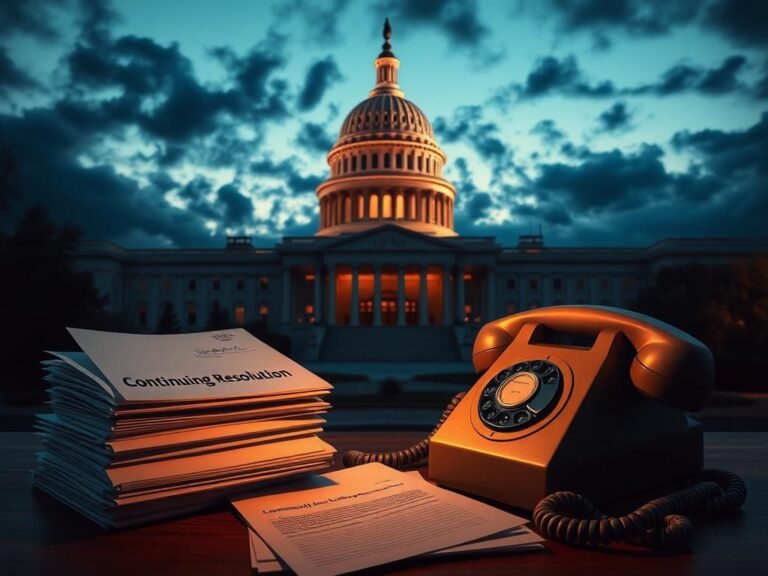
{"x": 504, "y": 474}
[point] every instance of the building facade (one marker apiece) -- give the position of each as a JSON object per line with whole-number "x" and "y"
{"x": 386, "y": 256}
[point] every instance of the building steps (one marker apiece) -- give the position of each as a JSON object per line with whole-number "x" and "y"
{"x": 390, "y": 344}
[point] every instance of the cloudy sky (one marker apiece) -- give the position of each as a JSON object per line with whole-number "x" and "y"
{"x": 607, "y": 122}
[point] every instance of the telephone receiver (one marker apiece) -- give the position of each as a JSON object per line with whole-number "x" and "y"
{"x": 577, "y": 405}
{"x": 669, "y": 365}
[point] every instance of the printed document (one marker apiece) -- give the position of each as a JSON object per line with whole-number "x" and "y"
{"x": 185, "y": 367}
{"x": 371, "y": 515}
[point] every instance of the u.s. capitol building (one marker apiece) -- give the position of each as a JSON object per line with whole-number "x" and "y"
{"x": 386, "y": 257}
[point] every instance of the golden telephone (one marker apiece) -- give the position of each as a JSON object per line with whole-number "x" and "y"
{"x": 584, "y": 399}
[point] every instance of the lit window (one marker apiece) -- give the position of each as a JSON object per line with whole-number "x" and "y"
{"x": 264, "y": 312}
{"x": 309, "y": 309}
{"x": 240, "y": 314}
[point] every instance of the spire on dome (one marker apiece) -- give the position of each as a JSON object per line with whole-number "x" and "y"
{"x": 386, "y": 67}
{"x": 386, "y": 48}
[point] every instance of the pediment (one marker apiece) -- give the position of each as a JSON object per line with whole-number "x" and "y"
{"x": 391, "y": 238}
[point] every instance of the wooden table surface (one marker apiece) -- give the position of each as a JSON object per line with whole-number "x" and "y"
{"x": 41, "y": 536}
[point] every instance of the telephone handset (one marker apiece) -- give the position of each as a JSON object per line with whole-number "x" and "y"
{"x": 585, "y": 399}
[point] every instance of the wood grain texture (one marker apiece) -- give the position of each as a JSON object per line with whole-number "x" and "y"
{"x": 38, "y": 535}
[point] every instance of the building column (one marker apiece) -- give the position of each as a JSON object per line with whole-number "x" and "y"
{"x": 447, "y": 296}
{"x": 380, "y": 192}
{"x": 419, "y": 206}
{"x": 355, "y": 312}
{"x": 331, "y": 295}
{"x": 423, "y": 312}
{"x": 377, "y": 295}
{"x": 318, "y": 294}
{"x": 401, "y": 296}
{"x": 490, "y": 279}
{"x": 460, "y": 294}
{"x": 286, "y": 295}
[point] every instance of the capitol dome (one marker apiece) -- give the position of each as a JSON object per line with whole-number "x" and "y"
{"x": 385, "y": 114}
{"x": 386, "y": 166}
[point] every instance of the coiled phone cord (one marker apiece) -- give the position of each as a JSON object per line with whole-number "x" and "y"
{"x": 402, "y": 458}
{"x": 661, "y": 523}
{"x": 571, "y": 518}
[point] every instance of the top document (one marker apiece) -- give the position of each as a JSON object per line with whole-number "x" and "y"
{"x": 186, "y": 367}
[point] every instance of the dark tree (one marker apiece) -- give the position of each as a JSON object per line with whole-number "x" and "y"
{"x": 169, "y": 321}
{"x": 40, "y": 295}
{"x": 9, "y": 178}
{"x": 217, "y": 318}
{"x": 726, "y": 307}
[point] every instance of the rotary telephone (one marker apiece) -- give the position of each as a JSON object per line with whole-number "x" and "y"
{"x": 578, "y": 404}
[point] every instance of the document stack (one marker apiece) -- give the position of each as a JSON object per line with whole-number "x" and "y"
{"x": 145, "y": 427}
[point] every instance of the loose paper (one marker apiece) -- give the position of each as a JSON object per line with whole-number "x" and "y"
{"x": 372, "y": 515}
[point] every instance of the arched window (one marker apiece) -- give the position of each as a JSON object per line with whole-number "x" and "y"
{"x": 386, "y": 160}
{"x": 399, "y": 207}
{"x": 364, "y": 162}
{"x": 360, "y": 206}
{"x": 374, "y": 161}
{"x": 386, "y": 205}
{"x": 399, "y": 160}
{"x": 354, "y": 163}
{"x": 346, "y": 165}
{"x": 373, "y": 209}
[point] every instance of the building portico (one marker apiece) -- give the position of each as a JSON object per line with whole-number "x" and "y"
{"x": 362, "y": 281}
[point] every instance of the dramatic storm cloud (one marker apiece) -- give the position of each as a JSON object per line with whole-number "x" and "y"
{"x": 620, "y": 122}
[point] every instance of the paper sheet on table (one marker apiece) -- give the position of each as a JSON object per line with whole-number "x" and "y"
{"x": 373, "y": 515}
{"x": 515, "y": 540}
{"x": 519, "y": 539}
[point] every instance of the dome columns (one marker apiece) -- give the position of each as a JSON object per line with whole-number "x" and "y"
{"x": 422, "y": 209}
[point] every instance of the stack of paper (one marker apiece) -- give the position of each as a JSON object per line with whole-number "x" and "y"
{"x": 147, "y": 426}
{"x": 371, "y": 515}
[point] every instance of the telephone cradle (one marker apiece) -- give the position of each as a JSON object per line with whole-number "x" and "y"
{"x": 581, "y": 404}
